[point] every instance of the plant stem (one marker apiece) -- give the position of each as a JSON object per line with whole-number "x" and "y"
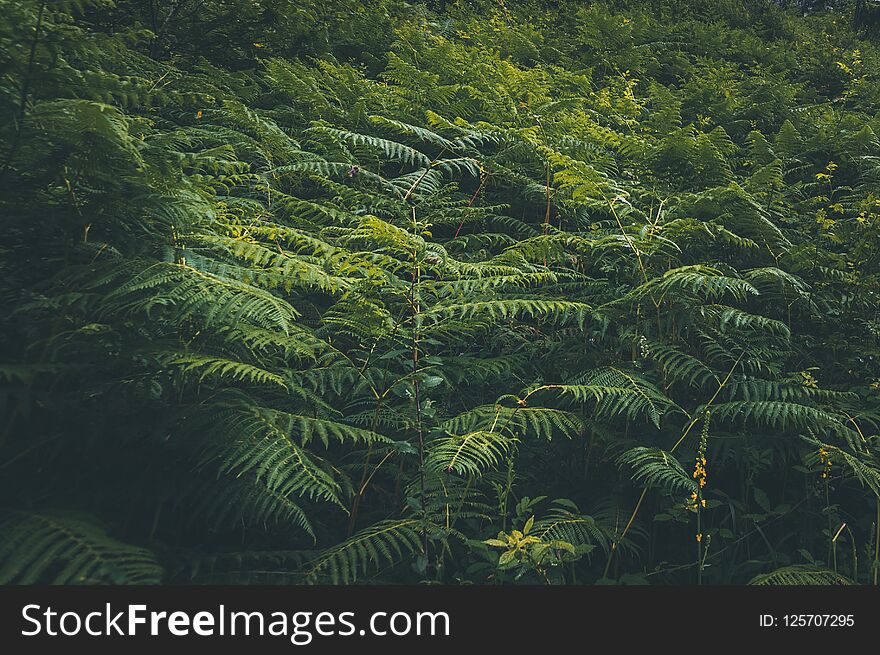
{"x": 699, "y": 541}
{"x": 687, "y": 430}
{"x": 414, "y": 302}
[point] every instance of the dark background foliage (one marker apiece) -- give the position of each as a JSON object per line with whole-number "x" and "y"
{"x": 473, "y": 292}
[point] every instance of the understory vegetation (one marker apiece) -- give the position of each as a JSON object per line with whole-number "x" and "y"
{"x": 483, "y": 293}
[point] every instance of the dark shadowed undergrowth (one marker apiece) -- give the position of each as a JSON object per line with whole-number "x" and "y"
{"x": 536, "y": 292}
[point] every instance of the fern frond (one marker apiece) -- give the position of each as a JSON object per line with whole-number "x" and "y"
{"x": 619, "y": 392}
{"x": 468, "y": 454}
{"x": 557, "y": 310}
{"x": 385, "y": 543}
{"x": 801, "y": 575}
{"x": 50, "y": 548}
{"x": 657, "y": 468}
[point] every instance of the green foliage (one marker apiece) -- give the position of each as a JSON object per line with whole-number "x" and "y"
{"x": 658, "y": 468}
{"x": 353, "y": 292}
{"x": 800, "y": 575}
{"x": 65, "y": 550}
{"x": 381, "y": 544}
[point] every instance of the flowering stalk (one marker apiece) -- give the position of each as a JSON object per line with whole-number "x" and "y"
{"x": 699, "y": 502}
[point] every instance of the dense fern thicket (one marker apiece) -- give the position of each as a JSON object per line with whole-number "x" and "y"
{"x": 369, "y": 291}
